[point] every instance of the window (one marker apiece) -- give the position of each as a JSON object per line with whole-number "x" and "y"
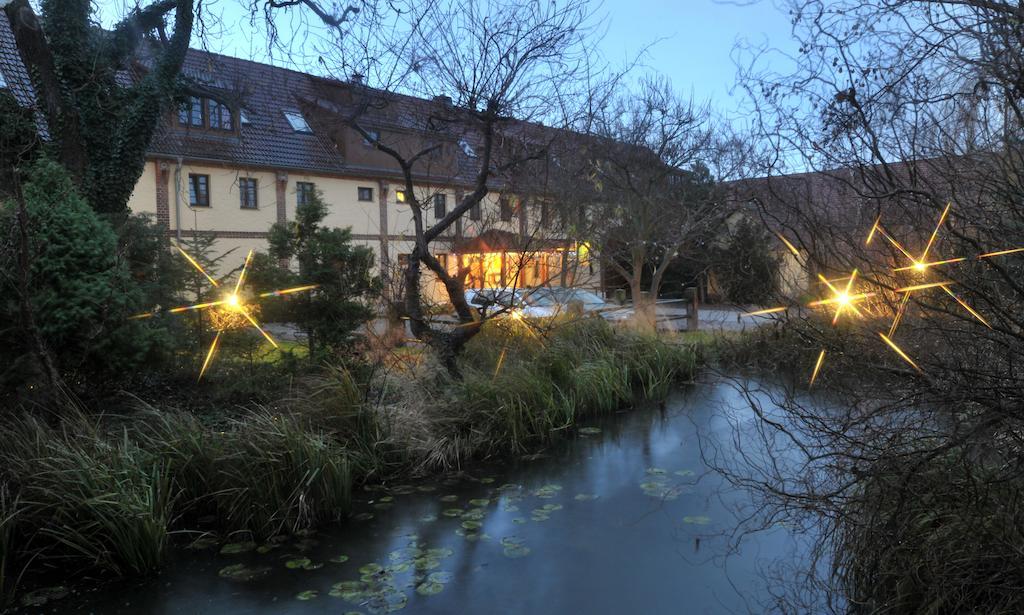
{"x": 374, "y": 136}
{"x": 467, "y": 149}
{"x": 505, "y": 208}
{"x": 198, "y": 190}
{"x": 545, "y": 214}
{"x": 243, "y": 117}
{"x": 304, "y": 192}
{"x": 247, "y": 192}
{"x": 191, "y": 112}
{"x": 475, "y": 212}
{"x": 220, "y": 116}
{"x": 3, "y": 83}
{"x": 365, "y": 193}
{"x": 297, "y": 122}
{"x": 440, "y": 205}
{"x": 400, "y": 196}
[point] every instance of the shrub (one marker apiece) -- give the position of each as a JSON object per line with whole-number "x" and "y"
{"x": 80, "y": 294}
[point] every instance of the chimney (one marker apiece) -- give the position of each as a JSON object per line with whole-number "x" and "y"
{"x": 356, "y": 78}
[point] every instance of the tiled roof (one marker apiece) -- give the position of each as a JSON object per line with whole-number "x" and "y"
{"x": 267, "y": 139}
{"x": 13, "y": 75}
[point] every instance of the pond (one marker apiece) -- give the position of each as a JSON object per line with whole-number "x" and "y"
{"x": 622, "y": 517}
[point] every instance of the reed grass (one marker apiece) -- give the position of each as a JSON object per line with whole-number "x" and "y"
{"x": 107, "y": 494}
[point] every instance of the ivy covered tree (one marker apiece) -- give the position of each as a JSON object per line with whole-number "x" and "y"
{"x": 343, "y": 272}
{"x": 99, "y": 125}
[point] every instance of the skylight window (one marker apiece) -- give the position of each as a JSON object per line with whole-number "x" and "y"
{"x": 467, "y": 149}
{"x": 243, "y": 116}
{"x": 297, "y": 122}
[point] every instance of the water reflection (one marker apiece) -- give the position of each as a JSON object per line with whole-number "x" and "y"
{"x": 623, "y": 519}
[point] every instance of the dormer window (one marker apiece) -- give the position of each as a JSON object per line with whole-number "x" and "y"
{"x": 191, "y": 112}
{"x": 202, "y": 112}
{"x": 374, "y": 137}
{"x": 220, "y": 116}
{"x": 467, "y": 149}
{"x": 243, "y": 117}
{"x": 297, "y": 122}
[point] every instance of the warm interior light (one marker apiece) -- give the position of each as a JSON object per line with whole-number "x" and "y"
{"x": 843, "y": 298}
{"x": 232, "y": 301}
{"x": 920, "y": 266}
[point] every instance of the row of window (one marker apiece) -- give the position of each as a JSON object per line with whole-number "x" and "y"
{"x": 248, "y": 189}
{"x": 206, "y": 113}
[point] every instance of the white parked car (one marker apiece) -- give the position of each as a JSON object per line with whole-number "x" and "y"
{"x": 543, "y": 302}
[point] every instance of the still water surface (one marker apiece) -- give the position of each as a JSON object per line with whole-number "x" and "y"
{"x": 621, "y": 518}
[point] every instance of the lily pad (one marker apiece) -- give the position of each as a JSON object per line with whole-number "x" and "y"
{"x": 403, "y": 490}
{"x": 309, "y": 594}
{"x": 349, "y": 590}
{"x": 474, "y": 514}
{"x": 429, "y": 588}
{"x": 371, "y": 568}
{"x": 267, "y": 548}
{"x": 585, "y": 497}
{"x": 590, "y": 431}
{"x": 234, "y": 548}
{"x": 299, "y": 562}
{"x": 684, "y": 472}
{"x": 428, "y": 518}
{"x": 41, "y": 596}
{"x": 548, "y": 491}
{"x": 241, "y": 572}
{"x": 363, "y": 516}
{"x": 471, "y": 525}
{"x": 656, "y": 471}
{"x": 449, "y": 498}
{"x": 452, "y": 512}
{"x": 440, "y": 577}
{"x": 339, "y": 559}
{"x": 386, "y": 498}
{"x": 479, "y": 502}
{"x": 426, "y": 488}
{"x": 510, "y": 508}
{"x": 519, "y": 521}
{"x": 487, "y": 480}
{"x": 697, "y": 520}
{"x": 514, "y": 548}
{"x": 382, "y": 505}
{"x": 440, "y": 552}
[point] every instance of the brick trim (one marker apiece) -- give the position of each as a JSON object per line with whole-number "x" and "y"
{"x": 282, "y": 196}
{"x": 383, "y": 238}
{"x": 163, "y": 208}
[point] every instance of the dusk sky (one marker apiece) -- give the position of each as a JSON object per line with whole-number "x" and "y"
{"x": 690, "y": 41}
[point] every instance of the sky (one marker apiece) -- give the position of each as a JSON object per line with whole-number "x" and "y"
{"x": 693, "y": 41}
{"x": 690, "y": 41}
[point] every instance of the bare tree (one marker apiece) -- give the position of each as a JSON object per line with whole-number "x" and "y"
{"x": 492, "y": 70}
{"x": 648, "y": 199}
{"x": 902, "y": 120}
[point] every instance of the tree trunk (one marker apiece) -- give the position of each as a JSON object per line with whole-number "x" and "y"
{"x": 33, "y": 336}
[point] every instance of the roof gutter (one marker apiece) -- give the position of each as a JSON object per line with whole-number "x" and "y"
{"x": 177, "y": 199}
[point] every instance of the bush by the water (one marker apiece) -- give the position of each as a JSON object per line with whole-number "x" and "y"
{"x": 931, "y": 533}
{"x": 109, "y": 494}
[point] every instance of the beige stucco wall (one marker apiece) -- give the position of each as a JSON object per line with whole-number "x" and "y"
{"x": 340, "y": 194}
{"x": 225, "y": 212}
